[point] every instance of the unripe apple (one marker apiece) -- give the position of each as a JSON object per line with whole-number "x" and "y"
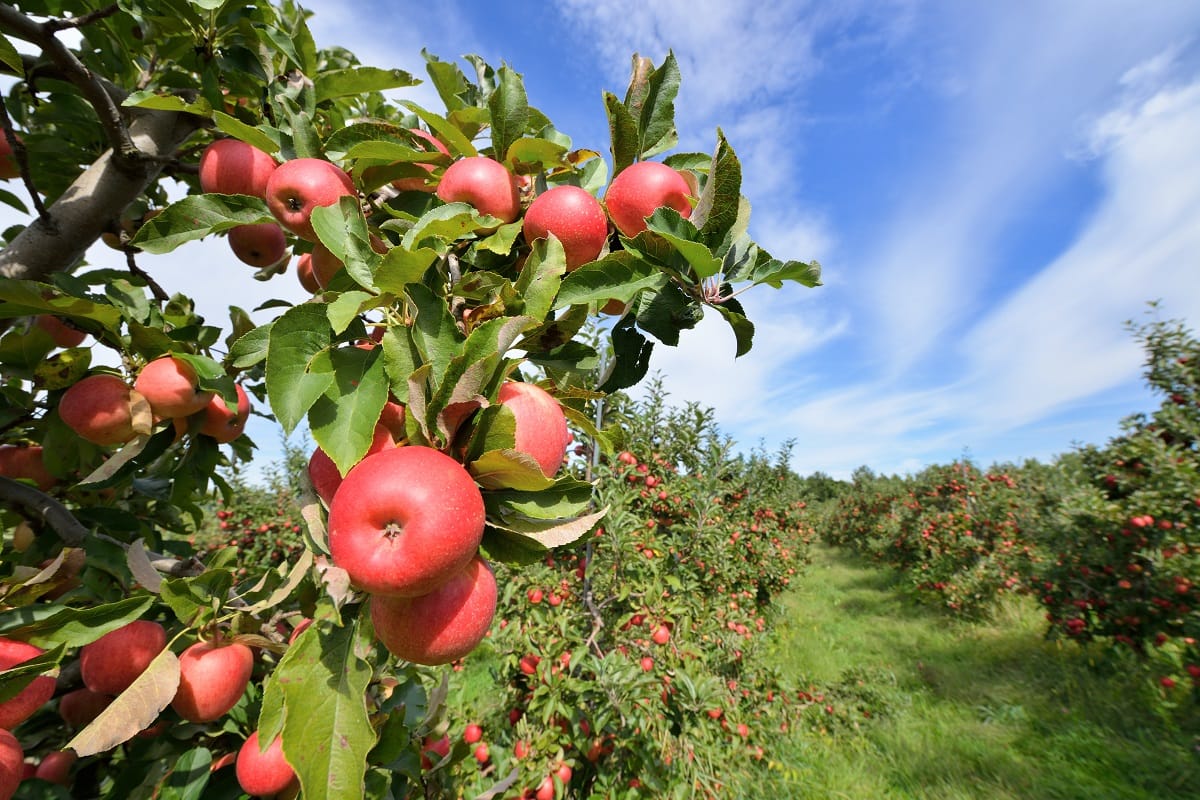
{"x": 302, "y": 184}
{"x": 62, "y": 334}
{"x": 304, "y": 271}
{"x": 405, "y": 520}
{"x": 8, "y": 160}
{"x": 115, "y": 660}
{"x": 640, "y": 189}
{"x": 442, "y": 626}
{"x": 262, "y": 774}
{"x": 55, "y": 767}
{"x": 420, "y": 184}
{"x": 258, "y": 245}
{"x": 28, "y": 462}
{"x": 12, "y": 764}
{"x": 575, "y": 217}
{"x": 212, "y": 678}
{"x": 222, "y": 424}
{"x": 323, "y": 473}
{"x": 231, "y": 166}
{"x": 171, "y": 387}
{"x": 80, "y": 707}
{"x": 17, "y": 709}
{"x": 541, "y": 425}
{"x": 99, "y": 409}
{"x": 483, "y": 183}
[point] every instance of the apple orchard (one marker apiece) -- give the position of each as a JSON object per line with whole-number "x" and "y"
{"x": 481, "y": 287}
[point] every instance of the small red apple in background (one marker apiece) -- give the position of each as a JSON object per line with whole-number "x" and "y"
{"x": 420, "y": 184}
{"x": 230, "y": 166}
{"x": 393, "y": 418}
{"x": 99, "y": 409}
{"x": 17, "y": 709}
{"x": 222, "y": 424}
{"x": 55, "y": 767}
{"x": 81, "y": 706}
{"x": 483, "y": 183}
{"x": 405, "y": 520}
{"x": 212, "y": 677}
{"x": 304, "y": 271}
{"x": 171, "y": 387}
{"x": 323, "y": 473}
{"x": 640, "y": 189}
{"x": 575, "y": 217}
{"x": 302, "y": 184}
{"x": 262, "y": 774}
{"x": 472, "y": 733}
{"x": 115, "y": 660}
{"x": 541, "y": 425}
{"x": 661, "y": 635}
{"x": 481, "y": 753}
{"x": 439, "y": 747}
{"x": 12, "y": 764}
{"x": 28, "y": 462}
{"x": 442, "y": 626}
{"x": 258, "y": 245}
{"x": 62, "y": 333}
{"x": 8, "y": 160}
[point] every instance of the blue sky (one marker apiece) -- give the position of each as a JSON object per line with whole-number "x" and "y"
{"x": 992, "y": 188}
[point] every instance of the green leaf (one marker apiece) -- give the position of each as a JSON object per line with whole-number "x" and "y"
{"x": 343, "y": 229}
{"x": 134, "y": 710}
{"x": 620, "y": 275}
{"x": 743, "y": 329}
{"x": 720, "y": 207}
{"x": 509, "y": 469}
{"x": 257, "y": 137}
{"x": 10, "y": 58}
{"x": 359, "y": 80}
{"x": 343, "y": 418}
{"x": 501, "y": 241}
{"x": 683, "y": 236}
{"x": 10, "y": 199}
{"x": 344, "y": 140}
{"x": 296, "y": 339}
{"x": 434, "y": 333}
{"x": 400, "y": 360}
{"x": 251, "y": 347}
{"x": 774, "y": 272}
{"x": 538, "y": 534}
{"x": 148, "y": 98}
{"x": 448, "y": 133}
{"x": 652, "y": 102}
{"x": 14, "y": 679}
{"x": 401, "y": 266}
{"x": 191, "y": 599}
{"x": 538, "y": 153}
{"x": 541, "y": 277}
{"x": 448, "y": 222}
{"x": 665, "y": 313}
{"x": 346, "y": 307}
{"x": 197, "y": 216}
{"x": 189, "y": 775}
{"x": 631, "y": 357}
{"x": 567, "y": 498}
{"x": 623, "y": 133}
{"x": 74, "y": 627}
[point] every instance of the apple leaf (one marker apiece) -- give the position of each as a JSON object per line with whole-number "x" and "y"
{"x": 623, "y": 133}
{"x": 541, "y": 277}
{"x": 451, "y": 84}
{"x": 149, "y": 98}
{"x": 501, "y": 240}
{"x": 26, "y": 298}
{"x": 343, "y": 418}
{"x": 266, "y": 140}
{"x": 435, "y": 334}
{"x": 448, "y": 223}
{"x": 192, "y": 599}
{"x": 251, "y": 347}
{"x": 296, "y": 339}
{"x": 538, "y": 153}
{"x": 343, "y": 229}
{"x": 518, "y": 535}
{"x": 620, "y": 275}
{"x": 14, "y": 679}
{"x": 683, "y": 236}
{"x": 720, "y": 205}
{"x": 359, "y": 80}
{"x": 189, "y": 775}
{"x": 134, "y": 710}
{"x": 197, "y": 216}
{"x": 509, "y": 469}
{"x": 665, "y": 313}
{"x": 566, "y": 499}
{"x": 401, "y": 266}
{"x": 10, "y": 58}
{"x": 400, "y": 360}
{"x": 509, "y": 107}
{"x": 651, "y": 101}
{"x": 743, "y": 328}
{"x": 631, "y": 357}
{"x": 450, "y": 135}
{"x": 774, "y": 272}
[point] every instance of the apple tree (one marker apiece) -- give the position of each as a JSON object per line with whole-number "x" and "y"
{"x": 470, "y": 299}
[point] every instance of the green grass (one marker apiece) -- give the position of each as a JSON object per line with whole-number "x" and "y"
{"x": 967, "y": 710}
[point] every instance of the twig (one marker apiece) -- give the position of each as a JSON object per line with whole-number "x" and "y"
{"x": 159, "y": 295}
{"x": 22, "y": 157}
{"x": 55, "y": 25}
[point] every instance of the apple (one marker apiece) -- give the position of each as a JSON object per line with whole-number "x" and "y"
{"x": 55, "y": 767}
{"x": 545, "y": 790}
{"x": 304, "y": 271}
{"x": 661, "y": 635}
{"x": 483, "y": 183}
{"x": 115, "y": 660}
{"x": 302, "y": 184}
{"x": 393, "y": 418}
{"x": 26, "y": 462}
{"x": 420, "y": 184}
{"x": 258, "y": 245}
{"x": 575, "y": 217}
{"x": 62, "y": 333}
{"x": 23, "y": 536}
{"x": 222, "y": 424}
{"x": 472, "y": 733}
{"x": 325, "y": 264}
{"x": 81, "y": 706}
{"x": 439, "y": 747}
{"x": 8, "y": 159}
{"x": 212, "y": 678}
{"x": 640, "y": 189}
{"x": 171, "y": 387}
{"x": 541, "y": 425}
{"x": 19, "y": 708}
{"x": 323, "y": 473}
{"x": 481, "y": 753}
{"x": 260, "y": 773}
{"x": 230, "y": 166}
{"x": 441, "y": 626}
{"x": 99, "y": 409}
{"x": 12, "y": 764}
{"x": 405, "y": 520}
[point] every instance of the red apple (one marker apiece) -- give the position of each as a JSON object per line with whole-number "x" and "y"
{"x": 55, "y": 767}
{"x": 262, "y": 774}
{"x": 12, "y": 764}
{"x": 483, "y": 183}
{"x": 222, "y": 424}
{"x": 575, "y": 217}
{"x": 212, "y": 678}
{"x": 323, "y": 473}
{"x": 17, "y": 709}
{"x": 8, "y": 160}
{"x": 472, "y": 733}
{"x": 81, "y": 706}
{"x": 640, "y": 189}
{"x": 26, "y": 462}
{"x": 115, "y": 660}
{"x": 302, "y": 184}
{"x": 420, "y": 184}
{"x": 171, "y": 388}
{"x": 441, "y": 626}
{"x": 62, "y": 333}
{"x": 405, "y": 520}
{"x": 325, "y": 264}
{"x": 393, "y": 418}
{"x": 230, "y": 166}
{"x": 481, "y": 753}
{"x": 304, "y": 271}
{"x": 439, "y": 747}
{"x": 98, "y": 409}
{"x": 541, "y": 425}
{"x": 258, "y": 245}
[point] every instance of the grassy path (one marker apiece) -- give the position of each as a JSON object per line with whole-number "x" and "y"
{"x": 963, "y": 710}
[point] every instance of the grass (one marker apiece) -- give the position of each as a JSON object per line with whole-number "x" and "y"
{"x": 968, "y": 710}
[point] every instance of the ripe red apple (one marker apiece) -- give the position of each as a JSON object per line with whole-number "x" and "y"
{"x": 81, "y": 706}
{"x": 12, "y": 764}
{"x": 258, "y": 245}
{"x": 572, "y": 215}
{"x": 26, "y": 462}
{"x": 472, "y": 733}
{"x": 420, "y": 184}
{"x": 222, "y": 424}
{"x": 640, "y": 189}
{"x": 541, "y": 425}
{"x": 393, "y": 418}
{"x": 17, "y": 709}
{"x": 483, "y": 183}
{"x": 323, "y": 473}
{"x": 481, "y": 753}
{"x": 55, "y": 767}
{"x": 263, "y": 774}
{"x": 441, "y": 626}
{"x": 661, "y": 635}
{"x": 230, "y": 166}
{"x": 98, "y": 409}
{"x": 304, "y": 271}
{"x": 115, "y": 660}
{"x": 62, "y": 333}
{"x": 212, "y": 678}
{"x": 8, "y": 160}
{"x": 439, "y": 747}
{"x": 171, "y": 388}
{"x": 300, "y": 185}
{"x": 405, "y": 520}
